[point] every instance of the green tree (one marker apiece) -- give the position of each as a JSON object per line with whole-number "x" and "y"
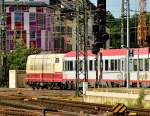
{"x": 114, "y": 26}
{"x": 133, "y": 31}
{"x": 16, "y": 59}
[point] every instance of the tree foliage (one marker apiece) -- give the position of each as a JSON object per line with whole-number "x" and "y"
{"x": 114, "y": 26}
{"x": 16, "y": 60}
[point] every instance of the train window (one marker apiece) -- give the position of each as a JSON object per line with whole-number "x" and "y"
{"x": 141, "y": 64}
{"x": 123, "y": 65}
{"x": 112, "y": 65}
{"x": 118, "y": 65}
{"x": 106, "y": 65}
{"x": 66, "y": 65}
{"x": 71, "y": 65}
{"x": 56, "y": 60}
{"x": 115, "y": 61}
{"x": 90, "y": 65}
{"x": 146, "y": 65}
{"x": 135, "y": 64}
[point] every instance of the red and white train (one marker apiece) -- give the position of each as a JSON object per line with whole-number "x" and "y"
{"x": 51, "y": 70}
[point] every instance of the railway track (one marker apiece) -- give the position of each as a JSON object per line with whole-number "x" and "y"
{"x": 38, "y": 105}
{"x": 140, "y": 111}
{"x": 93, "y": 108}
{"x": 16, "y": 112}
{"x": 54, "y": 104}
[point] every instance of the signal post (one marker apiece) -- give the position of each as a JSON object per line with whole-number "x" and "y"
{"x": 100, "y": 34}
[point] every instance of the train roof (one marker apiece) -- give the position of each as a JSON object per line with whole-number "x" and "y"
{"x": 45, "y": 55}
{"x": 111, "y": 52}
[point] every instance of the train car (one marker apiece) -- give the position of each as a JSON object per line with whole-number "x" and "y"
{"x": 59, "y": 70}
{"x": 44, "y": 70}
{"x": 114, "y": 67}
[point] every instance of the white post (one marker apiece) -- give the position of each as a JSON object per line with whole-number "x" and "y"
{"x": 85, "y": 87}
{"x": 12, "y": 79}
{"x": 128, "y": 42}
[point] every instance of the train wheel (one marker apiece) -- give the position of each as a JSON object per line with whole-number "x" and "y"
{"x": 33, "y": 88}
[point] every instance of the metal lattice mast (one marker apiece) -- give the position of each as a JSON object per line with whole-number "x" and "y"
{"x": 3, "y": 39}
{"x": 142, "y": 27}
{"x": 125, "y": 34}
{"x": 123, "y": 22}
{"x": 81, "y": 44}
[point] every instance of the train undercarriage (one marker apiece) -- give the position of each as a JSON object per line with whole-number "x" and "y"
{"x": 71, "y": 85}
{"x": 53, "y": 85}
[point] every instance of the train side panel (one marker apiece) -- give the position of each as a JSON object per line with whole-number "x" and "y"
{"x": 44, "y": 68}
{"x": 33, "y": 69}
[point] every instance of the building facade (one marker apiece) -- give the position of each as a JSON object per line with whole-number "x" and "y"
{"x": 39, "y": 25}
{"x": 62, "y": 33}
{"x": 30, "y": 21}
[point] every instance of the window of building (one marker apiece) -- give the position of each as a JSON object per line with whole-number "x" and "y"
{"x": 58, "y": 29}
{"x": 39, "y": 9}
{"x": 68, "y": 29}
{"x": 18, "y": 17}
{"x": 32, "y": 17}
{"x": 32, "y": 35}
{"x": 17, "y": 34}
{"x": 25, "y": 8}
{"x": 41, "y": 18}
{"x": 62, "y": 29}
{"x": 11, "y": 8}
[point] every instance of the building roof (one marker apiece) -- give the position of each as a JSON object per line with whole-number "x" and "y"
{"x": 29, "y": 3}
{"x": 72, "y": 4}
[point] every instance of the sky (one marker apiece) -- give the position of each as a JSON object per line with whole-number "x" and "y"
{"x": 114, "y": 6}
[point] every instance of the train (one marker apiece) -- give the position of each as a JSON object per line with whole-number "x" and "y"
{"x": 59, "y": 70}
